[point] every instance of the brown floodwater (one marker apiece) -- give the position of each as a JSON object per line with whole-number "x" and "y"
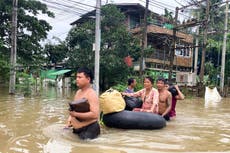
{"x": 35, "y": 125}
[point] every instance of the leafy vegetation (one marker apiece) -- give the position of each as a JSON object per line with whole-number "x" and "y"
{"x": 4, "y": 69}
{"x": 26, "y": 84}
{"x": 31, "y": 30}
{"x": 55, "y": 53}
{"x": 116, "y": 44}
{"x": 215, "y": 40}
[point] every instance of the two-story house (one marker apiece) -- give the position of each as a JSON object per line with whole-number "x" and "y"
{"x": 159, "y": 37}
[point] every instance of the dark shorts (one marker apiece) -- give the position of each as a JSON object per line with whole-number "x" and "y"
{"x": 88, "y": 132}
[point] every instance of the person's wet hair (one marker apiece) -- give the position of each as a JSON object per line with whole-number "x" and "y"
{"x": 87, "y": 72}
{"x": 161, "y": 79}
{"x": 130, "y": 81}
{"x": 150, "y": 79}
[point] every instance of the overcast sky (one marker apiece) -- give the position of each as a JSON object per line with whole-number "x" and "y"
{"x": 67, "y": 11}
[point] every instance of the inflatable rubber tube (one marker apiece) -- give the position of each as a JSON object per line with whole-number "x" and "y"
{"x": 134, "y": 120}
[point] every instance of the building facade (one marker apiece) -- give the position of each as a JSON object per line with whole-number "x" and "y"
{"x": 159, "y": 37}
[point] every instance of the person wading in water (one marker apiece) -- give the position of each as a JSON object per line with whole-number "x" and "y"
{"x": 85, "y": 124}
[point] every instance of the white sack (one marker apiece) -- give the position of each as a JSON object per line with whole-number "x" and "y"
{"x": 212, "y": 95}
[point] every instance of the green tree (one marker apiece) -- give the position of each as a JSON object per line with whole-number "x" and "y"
{"x": 116, "y": 44}
{"x": 214, "y": 48}
{"x": 55, "y": 53}
{"x": 216, "y": 25}
{"x": 80, "y": 42}
{"x": 212, "y": 73}
{"x": 227, "y": 64}
{"x": 168, "y": 15}
{"x": 4, "y": 69}
{"x": 1, "y": 43}
{"x": 31, "y": 29}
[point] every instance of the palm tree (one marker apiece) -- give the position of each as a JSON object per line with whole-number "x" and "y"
{"x": 168, "y": 15}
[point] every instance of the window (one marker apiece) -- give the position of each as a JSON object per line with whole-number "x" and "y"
{"x": 182, "y": 50}
{"x": 134, "y": 22}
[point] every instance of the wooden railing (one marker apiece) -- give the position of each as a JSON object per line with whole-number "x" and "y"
{"x": 163, "y": 58}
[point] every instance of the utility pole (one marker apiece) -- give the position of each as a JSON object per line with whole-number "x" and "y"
{"x": 196, "y": 49}
{"x": 181, "y": 26}
{"x": 204, "y": 41}
{"x": 13, "y": 55}
{"x": 224, "y": 50}
{"x": 97, "y": 45}
{"x": 144, "y": 38}
{"x": 172, "y": 53}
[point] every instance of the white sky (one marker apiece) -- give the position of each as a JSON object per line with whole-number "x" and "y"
{"x": 63, "y": 18}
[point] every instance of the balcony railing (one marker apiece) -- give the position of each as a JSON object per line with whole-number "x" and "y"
{"x": 161, "y": 55}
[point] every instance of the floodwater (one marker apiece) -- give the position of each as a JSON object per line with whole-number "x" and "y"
{"x": 35, "y": 125}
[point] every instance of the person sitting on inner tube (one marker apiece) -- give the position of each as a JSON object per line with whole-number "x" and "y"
{"x": 131, "y": 85}
{"x": 165, "y": 99}
{"x": 148, "y": 95}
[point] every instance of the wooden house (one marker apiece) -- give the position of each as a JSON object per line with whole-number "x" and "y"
{"x": 159, "y": 37}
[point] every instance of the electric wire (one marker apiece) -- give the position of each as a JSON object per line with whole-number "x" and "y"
{"x": 79, "y": 8}
{"x": 159, "y": 6}
{"x": 178, "y": 3}
{"x": 163, "y": 6}
{"x": 67, "y": 7}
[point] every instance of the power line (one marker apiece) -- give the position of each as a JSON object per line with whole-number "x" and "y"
{"x": 178, "y": 3}
{"x": 66, "y": 6}
{"x": 83, "y": 4}
{"x": 186, "y": 16}
{"x": 63, "y": 18}
{"x": 64, "y": 10}
{"x": 163, "y": 6}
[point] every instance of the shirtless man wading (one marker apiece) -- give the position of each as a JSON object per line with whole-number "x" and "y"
{"x": 87, "y": 127}
{"x": 165, "y": 99}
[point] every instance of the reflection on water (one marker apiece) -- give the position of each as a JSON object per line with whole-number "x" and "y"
{"x": 36, "y": 125}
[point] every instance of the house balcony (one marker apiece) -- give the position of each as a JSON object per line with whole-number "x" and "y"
{"x": 161, "y": 59}
{"x": 156, "y": 29}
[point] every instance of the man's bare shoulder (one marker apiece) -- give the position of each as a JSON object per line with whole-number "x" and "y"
{"x": 91, "y": 93}
{"x": 91, "y": 90}
{"x": 79, "y": 90}
{"x": 168, "y": 93}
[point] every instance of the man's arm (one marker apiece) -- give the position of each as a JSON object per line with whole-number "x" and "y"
{"x": 94, "y": 108}
{"x": 154, "y": 107}
{"x": 77, "y": 124}
{"x": 180, "y": 95}
{"x": 135, "y": 94}
{"x": 68, "y": 124}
